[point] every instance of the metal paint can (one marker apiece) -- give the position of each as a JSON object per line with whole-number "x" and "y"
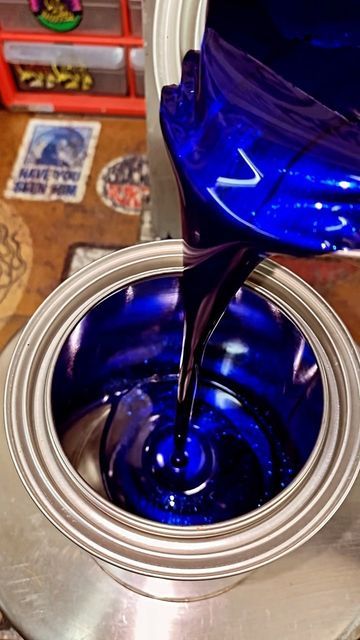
{"x": 180, "y": 563}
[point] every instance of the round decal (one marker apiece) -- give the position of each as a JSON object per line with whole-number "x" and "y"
{"x": 123, "y": 184}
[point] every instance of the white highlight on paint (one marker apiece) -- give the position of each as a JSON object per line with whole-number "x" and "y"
{"x": 239, "y": 182}
{"x": 232, "y": 182}
{"x": 336, "y": 227}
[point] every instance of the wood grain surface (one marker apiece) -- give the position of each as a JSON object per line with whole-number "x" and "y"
{"x": 337, "y": 279}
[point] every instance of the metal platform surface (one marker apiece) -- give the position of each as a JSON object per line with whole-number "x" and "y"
{"x": 50, "y": 589}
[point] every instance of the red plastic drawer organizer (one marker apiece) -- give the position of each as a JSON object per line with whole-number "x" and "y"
{"x": 96, "y": 68}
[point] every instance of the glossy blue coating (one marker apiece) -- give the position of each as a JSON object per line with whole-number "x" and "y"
{"x": 258, "y": 160}
{"x": 254, "y": 423}
{"x": 262, "y": 167}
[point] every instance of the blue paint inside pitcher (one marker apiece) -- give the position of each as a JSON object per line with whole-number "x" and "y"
{"x": 314, "y": 44}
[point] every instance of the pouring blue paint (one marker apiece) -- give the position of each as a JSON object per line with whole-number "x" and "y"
{"x": 262, "y": 168}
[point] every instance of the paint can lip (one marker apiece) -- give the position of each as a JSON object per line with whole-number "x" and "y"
{"x": 128, "y": 541}
{"x": 172, "y": 37}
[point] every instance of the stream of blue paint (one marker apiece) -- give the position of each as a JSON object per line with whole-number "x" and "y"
{"x": 262, "y": 168}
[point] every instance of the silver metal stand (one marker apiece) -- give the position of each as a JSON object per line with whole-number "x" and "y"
{"x": 51, "y": 590}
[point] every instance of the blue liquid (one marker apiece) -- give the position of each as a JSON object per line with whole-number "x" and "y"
{"x": 262, "y": 168}
{"x": 259, "y": 161}
{"x": 237, "y": 454}
{"x": 254, "y": 423}
{"x": 314, "y": 44}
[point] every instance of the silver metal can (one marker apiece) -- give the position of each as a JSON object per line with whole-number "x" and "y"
{"x": 161, "y": 560}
